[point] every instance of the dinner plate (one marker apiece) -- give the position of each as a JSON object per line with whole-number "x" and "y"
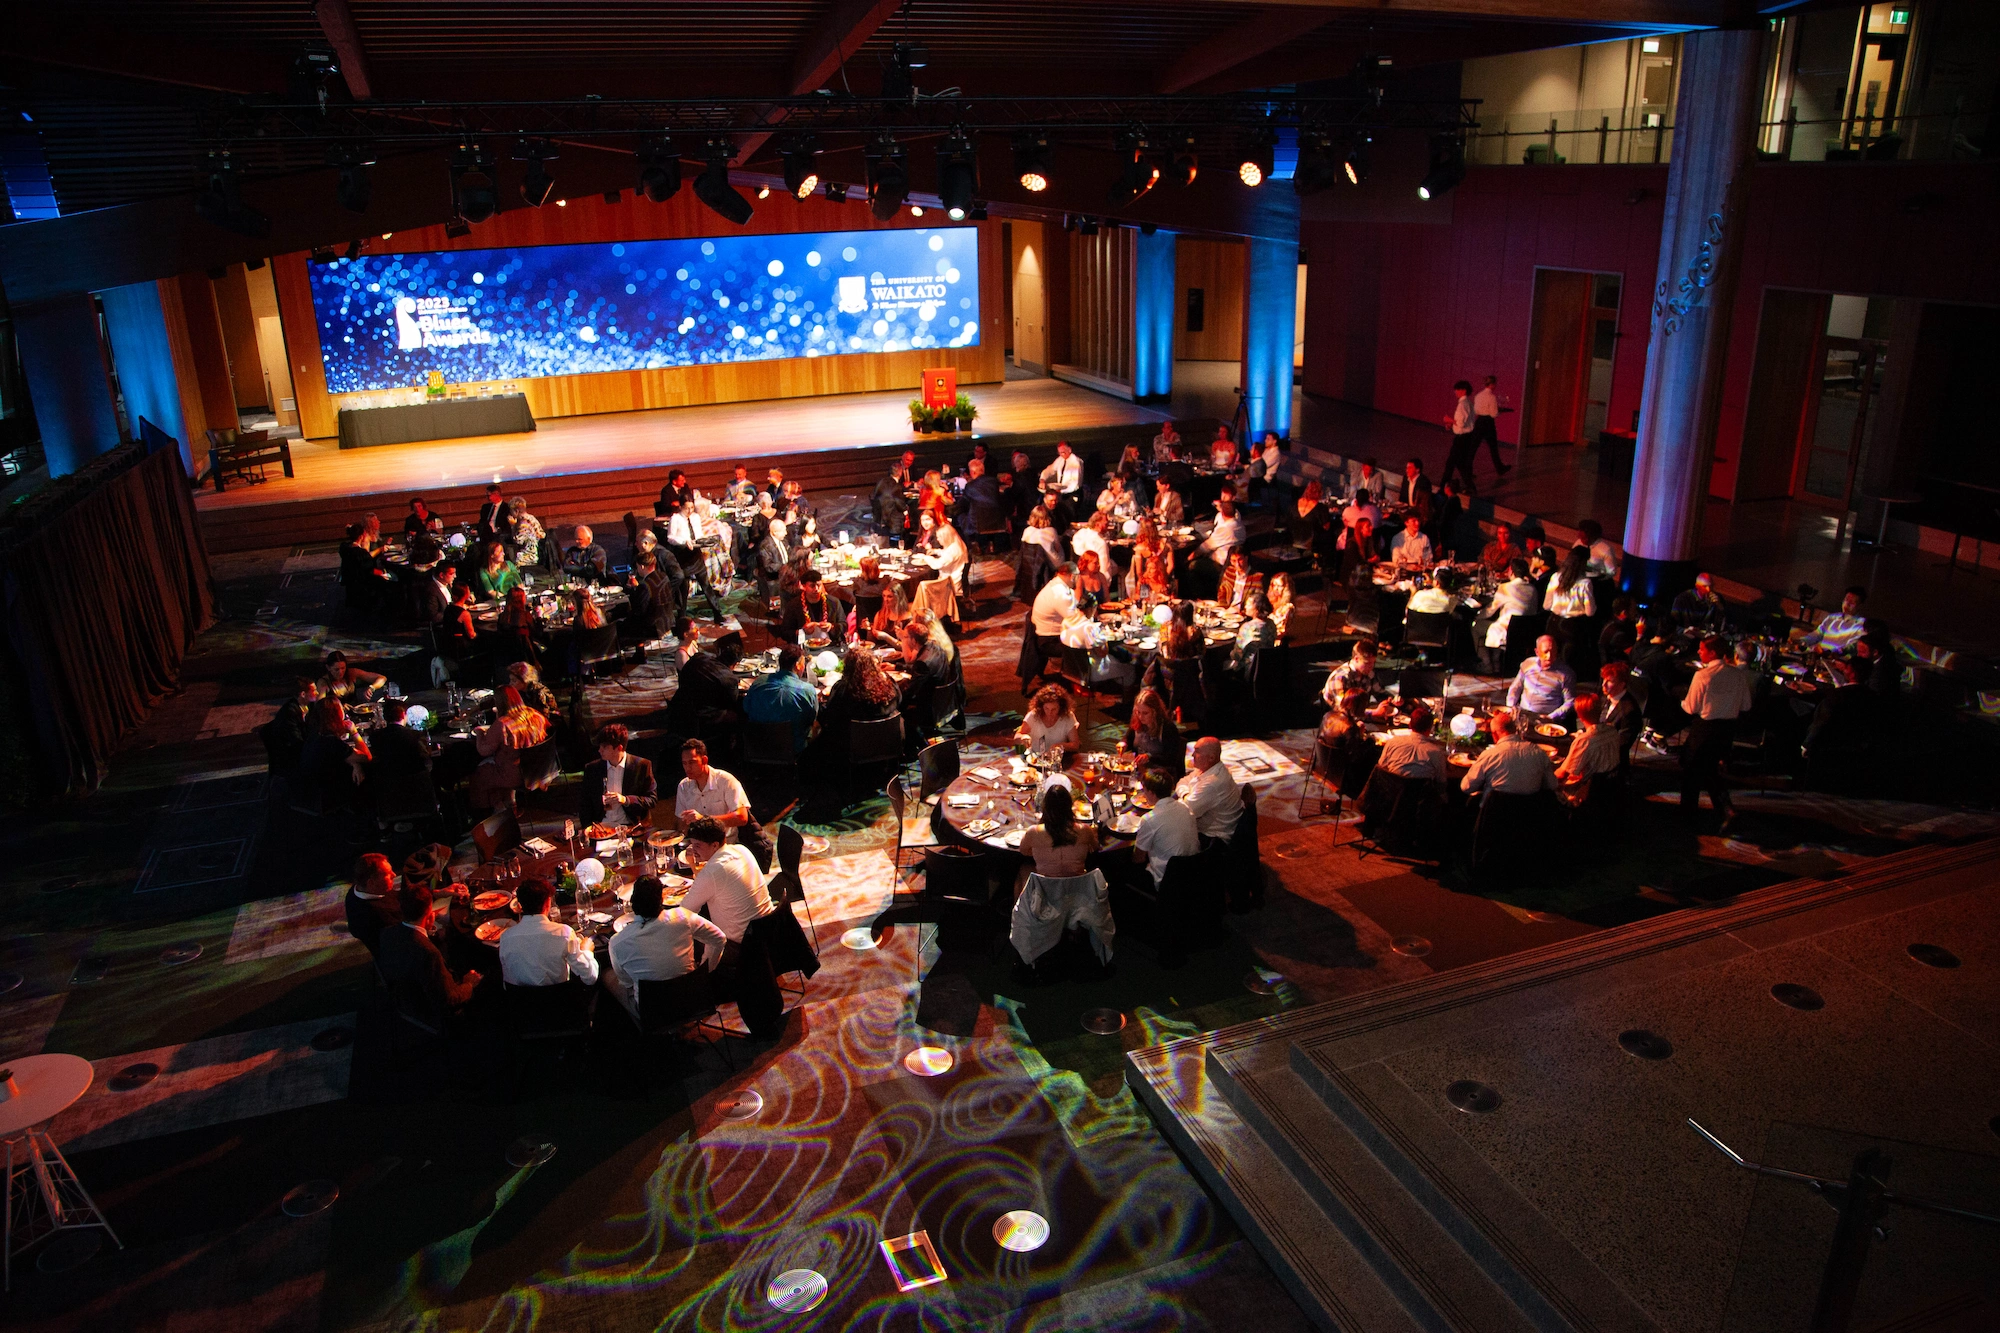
{"x": 1792, "y": 669}
{"x": 1024, "y": 777}
{"x": 1551, "y": 729}
{"x": 489, "y": 932}
{"x": 1126, "y": 825}
{"x": 622, "y": 922}
{"x": 492, "y": 900}
{"x": 1014, "y": 839}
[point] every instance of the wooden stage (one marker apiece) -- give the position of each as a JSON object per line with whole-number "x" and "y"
{"x": 592, "y": 468}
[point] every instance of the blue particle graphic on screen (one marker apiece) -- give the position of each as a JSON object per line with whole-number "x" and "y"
{"x": 387, "y": 321}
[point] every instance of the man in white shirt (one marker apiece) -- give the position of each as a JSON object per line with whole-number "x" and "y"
{"x": 1091, "y": 537}
{"x": 1486, "y": 423}
{"x": 540, "y": 951}
{"x": 1515, "y": 597}
{"x": 658, "y": 945}
{"x": 708, "y": 792}
{"x": 1463, "y": 441}
{"x": 729, "y": 884}
{"x": 1361, "y": 506}
{"x": 1510, "y": 766}
{"x": 1168, "y": 830}
{"x": 1437, "y": 597}
{"x": 1209, "y": 792}
{"x": 1065, "y": 475}
{"x": 1411, "y": 551}
{"x": 1227, "y": 535}
{"x": 1719, "y": 694}
{"x": 1265, "y": 473}
{"x": 1054, "y": 604}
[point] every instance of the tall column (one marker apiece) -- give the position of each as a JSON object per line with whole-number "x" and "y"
{"x": 1701, "y": 243}
{"x": 1153, "y": 291}
{"x": 1270, "y": 320}
{"x": 68, "y": 381}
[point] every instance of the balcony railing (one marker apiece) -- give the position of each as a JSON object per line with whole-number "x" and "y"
{"x": 1621, "y": 135}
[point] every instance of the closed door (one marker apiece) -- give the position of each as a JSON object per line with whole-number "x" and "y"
{"x": 1842, "y": 423}
{"x": 1782, "y": 379}
{"x": 1559, "y": 358}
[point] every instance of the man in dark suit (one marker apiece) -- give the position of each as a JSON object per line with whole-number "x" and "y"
{"x": 398, "y": 752}
{"x": 618, "y": 786}
{"x": 652, "y": 608}
{"x": 981, "y": 507}
{"x": 493, "y": 515}
{"x": 1624, "y": 707}
{"x": 928, "y": 667}
{"x": 435, "y": 592}
{"x": 583, "y": 558}
{"x": 891, "y": 511}
{"x": 371, "y": 901}
{"x": 1020, "y": 493}
{"x": 285, "y": 734}
{"x": 414, "y": 969}
{"x": 706, "y": 703}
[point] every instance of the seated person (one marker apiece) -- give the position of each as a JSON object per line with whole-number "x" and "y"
{"x": 1411, "y": 551}
{"x": 1050, "y": 726}
{"x": 710, "y": 793}
{"x": 497, "y": 575}
{"x": 1254, "y": 635}
{"x": 1041, "y": 531}
{"x": 1152, "y": 738}
{"x": 1415, "y": 755}
{"x": 1596, "y": 749}
{"x": 540, "y": 950}
{"x": 396, "y": 751}
{"x": 1210, "y": 792}
{"x": 707, "y": 703}
{"x": 864, "y": 694}
{"x": 1166, "y": 831}
{"x": 1168, "y": 509}
{"x": 516, "y": 729}
{"x": 362, "y": 578}
{"x": 785, "y": 697}
{"x": 371, "y": 904}
{"x": 1510, "y": 766}
{"x": 927, "y": 668}
{"x": 618, "y": 786}
{"x": 583, "y": 558}
{"x": 1059, "y": 847}
{"x": 1354, "y": 676}
{"x": 1437, "y": 597}
{"x": 1606, "y": 557}
{"x": 731, "y": 885}
{"x": 1543, "y": 686}
{"x": 285, "y": 734}
{"x": 1094, "y": 536}
{"x": 1226, "y": 536}
{"x": 1698, "y": 609}
{"x": 659, "y": 944}
{"x": 1838, "y": 631}
{"x": 1234, "y": 589}
{"x": 1501, "y": 553}
{"x": 415, "y": 971}
{"x": 349, "y": 684}
{"x": 811, "y": 611}
{"x": 1357, "y": 551}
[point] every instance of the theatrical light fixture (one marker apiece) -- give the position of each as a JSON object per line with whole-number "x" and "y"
{"x": 836, "y": 192}
{"x": 1447, "y": 166}
{"x": 1137, "y": 172}
{"x": 1186, "y": 161}
{"x": 958, "y": 174}
{"x": 1086, "y": 226}
{"x": 913, "y": 55}
{"x": 978, "y": 213}
{"x": 457, "y": 229}
{"x": 888, "y": 177}
{"x": 1318, "y": 168}
{"x": 1031, "y": 162}
{"x": 712, "y": 187}
{"x": 659, "y": 169}
{"x": 353, "y": 161}
{"x": 321, "y": 254}
{"x": 1355, "y": 161}
{"x": 916, "y": 210}
{"x": 536, "y": 183}
{"x": 472, "y": 185}
{"x": 1255, "y": 168}
{"x": 353, "y": 250}
{"x": 763, "y": 192}
{"x": 221, "y": 201}
{"x": 802, "y": 167}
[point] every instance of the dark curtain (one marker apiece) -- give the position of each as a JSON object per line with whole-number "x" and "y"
{"x": 106, "y": 585}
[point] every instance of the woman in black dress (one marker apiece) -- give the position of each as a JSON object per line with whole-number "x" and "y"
{"x": 1152, "y": 737}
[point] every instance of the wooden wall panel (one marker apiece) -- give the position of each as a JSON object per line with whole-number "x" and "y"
{"x": 208, "y": 351}
{"x": 1217, "y": 268}
{"x": 239, "y": 339}
{"x": 592, "y": 220}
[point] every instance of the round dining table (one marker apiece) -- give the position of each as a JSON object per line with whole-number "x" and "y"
{"x": 991, "y": 806}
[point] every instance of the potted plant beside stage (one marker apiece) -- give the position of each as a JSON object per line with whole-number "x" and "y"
{"x": 922, "y": 418}
{"x": 963, "y": 411}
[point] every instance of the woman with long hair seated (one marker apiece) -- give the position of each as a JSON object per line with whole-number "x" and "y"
{"x": 1280, "y": 594}
{"x": 517, "y": 728}
{"x": 1152, "y": 738}
{"x": 497, "y": 575}
{"x": 1050, "y": 726}
{"x": 1152, "y": 572}
{"x": 1059, "y": 847}
{"x": 864, "y": 694}
{"x": 886, "y": 629}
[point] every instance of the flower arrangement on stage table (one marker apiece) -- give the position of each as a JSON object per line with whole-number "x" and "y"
{"x": 434, "y": 384}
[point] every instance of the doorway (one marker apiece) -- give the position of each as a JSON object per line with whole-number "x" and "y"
{"x": 1030, "y": 301}
{"x": 1572, "y": 348}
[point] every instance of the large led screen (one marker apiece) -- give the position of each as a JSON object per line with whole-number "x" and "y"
{"x": 477, "y": 315}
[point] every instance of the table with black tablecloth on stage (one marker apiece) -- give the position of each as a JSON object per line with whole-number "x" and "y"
{"x": 451, "y": 419}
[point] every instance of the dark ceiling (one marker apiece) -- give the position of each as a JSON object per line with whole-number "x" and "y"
{"x": 119, "y": 91}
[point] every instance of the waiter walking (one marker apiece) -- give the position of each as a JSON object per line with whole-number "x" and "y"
{"x": 1719, "y": 694}
{"x": 1463, "y": 441}
{"x": 1486, "y": 424}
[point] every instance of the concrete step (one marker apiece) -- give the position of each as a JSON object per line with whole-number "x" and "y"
{"x": 1410, "y": 1252}
{"x": 1333, "y": 1281}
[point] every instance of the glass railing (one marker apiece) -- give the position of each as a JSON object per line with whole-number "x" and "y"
{"x": 1938, "y": 129}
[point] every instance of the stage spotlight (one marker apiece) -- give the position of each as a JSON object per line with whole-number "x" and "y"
{"x": 763, "y": 192}
{"x": 1447, "y": 166}
{"x": 472, "y": 185}
{"x": 1255, "y": 168}
{"x": 457, "y": 229}
{"x": 888, "y": 177}
{"x": 1137, "y": 172}
{"x": 1355, "y": 161}
{"x": 353, "y": 161}
{"x": 1086, "y": 226}
{"x": 958, "y": 174}
{"x": 1186, "y": 161}
{"x": 712, "y": 186}
{"x": 353, "y": 250}
{"x": 978, "y": 213}
{"x": 1031, "y": 162}
{"x": 536, "y": 183}
{"x": 659, "y": 169}
{"x": 1318, "y": 167}
{"x": 802, "y": 167}
{"x": 899, "y": 82}
{"x": 836, "y": 192}
{"x": 913, "y": 55}
{"x": 221, "y": 202}
{"x": 321, "y": 254}
{"x": 916, "y": 210}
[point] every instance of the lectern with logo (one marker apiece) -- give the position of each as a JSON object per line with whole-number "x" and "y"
{"x": 940, "y": 386}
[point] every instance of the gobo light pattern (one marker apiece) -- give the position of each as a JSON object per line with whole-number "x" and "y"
{"x": 386, "y": 321}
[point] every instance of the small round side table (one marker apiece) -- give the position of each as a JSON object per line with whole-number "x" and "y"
{"x": 43, "y": 1194}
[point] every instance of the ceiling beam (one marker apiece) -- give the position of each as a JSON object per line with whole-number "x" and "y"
{"x": 1250, "y": 39}
{"x": 1617, "y": 13}
{"x": 821, "y": 55}
{"x": 336, "y": 20}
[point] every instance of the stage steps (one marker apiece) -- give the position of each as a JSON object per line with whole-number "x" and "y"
{"x": 600, "y": 498}
{"x": 1357, "y": 1184}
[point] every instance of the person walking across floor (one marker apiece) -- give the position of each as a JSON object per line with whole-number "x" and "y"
{"x": 1486, "y": 424}
{"x": 1463, "y": 440}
